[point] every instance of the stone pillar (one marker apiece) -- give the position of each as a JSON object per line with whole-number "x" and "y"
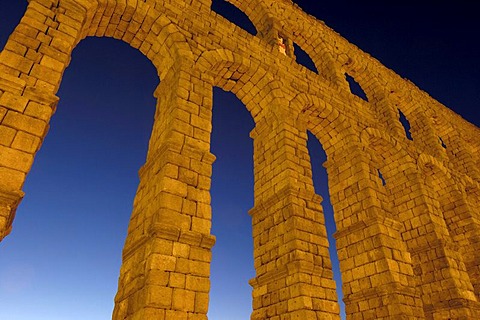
{"x": 376, "y": 267}
{"x": 472, "y": 230}
{"x": 166, "y": 258}
{"x": 426, "y": 138}
{"x": 389, "y": 115}
{"x": 465, "y": 159}
{"x": 31, "y": 67}
{"x": 294, "y": 278}
{"x": 461, "y": 219}
{"x": 464, "y": 228}
{"x": 8, "y": 204}
{"x": 446, "y": 290}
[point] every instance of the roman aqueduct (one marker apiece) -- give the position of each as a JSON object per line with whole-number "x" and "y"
{"x": 406, "y": 208}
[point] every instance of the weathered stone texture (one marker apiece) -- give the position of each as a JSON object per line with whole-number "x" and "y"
{"x": 408, "y": 240}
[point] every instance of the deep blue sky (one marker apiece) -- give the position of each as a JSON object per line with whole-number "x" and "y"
{"x": 62, "y": 259}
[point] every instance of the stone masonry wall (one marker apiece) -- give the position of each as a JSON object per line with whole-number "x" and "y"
{"x": 408, "y": 244}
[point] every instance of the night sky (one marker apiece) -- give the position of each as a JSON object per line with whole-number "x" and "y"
{"x": 62, "y": 259}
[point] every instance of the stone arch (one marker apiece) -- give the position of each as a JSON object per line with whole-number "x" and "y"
{"x": 345, "y": 154}
{"x": 382, "y": 93}
{"x": 350, "y": 67}
{"x": 264, "y": 96}
{"x": 329, "y": 127}
{"x": 472, "y": 193}
{"x": 433, "y": 166}
{"x": 390, "y": 116}
{"x": 387, "y": 155}
{"x": 316, "y": 49}
{"x": 460, "y": 217}
{"x": 298, "y": 28}
{"x": 335, "y": 133}
{"x": 276, "y": 119}
{"x": 135, "y": 17}
{"x": 38, "y": 81}
{"x": 361, "y": 72}
{"x": 415, "y": 110}
{"x": 257, "y": 12}
{"x": 409, "y": 109}
{"x": 169, "y": 51}
{"x": 400, "y": 171}
{"x": 324, "y": 121}
{"x": 271, "y": 21}
{"x": 455, "y": 148}
{"x": 247, "y": 79}
{"x": 172, "y": 213}
{"x": 144, "y": 28}
{"x": 385, "y": 145}
{"x": 472, "y": 141}
{"x": 238, "y": 17}
{"x": 80, "y": 13}
{"x": 391, "y": 148}
{"x": 475, "y": 152}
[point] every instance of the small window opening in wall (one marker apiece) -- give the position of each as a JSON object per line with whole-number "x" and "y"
{"x": 406, "y": 125}
{"x": 304, "y": 59}
{"x": 442, "y": 143}
{"x": 234, "y": 15}
{"x": 355, "y": 88}
{"x": 380, "y": 175}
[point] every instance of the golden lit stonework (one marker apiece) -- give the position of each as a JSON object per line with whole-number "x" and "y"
{"x": 407, "y": 211}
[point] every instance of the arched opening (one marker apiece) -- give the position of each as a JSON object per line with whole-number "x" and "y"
{"x": 406, "y": 125}
{"x": 232, "y": 197}
{"x": 442, "y": 143}
{"x": 71, "y": 226}
{"x": 459, "y": 218}
{"x": 320, "y": 183}
{"x": 382, "y": 179}
{"x": 455, "y": 147}
{"x": 355, "y": 87}
{"x": 304, "y": 59}
{"x": 234, "y": 15}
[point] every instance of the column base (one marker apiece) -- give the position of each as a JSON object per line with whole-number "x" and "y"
{"x": 299, "y": 290}
{"x": 390, "y": 301}
{"x": 165, "y": 275}
{"x": 378, "y": 270}
{"x": 454, "y": 309}
{"x": 9, "y": 202}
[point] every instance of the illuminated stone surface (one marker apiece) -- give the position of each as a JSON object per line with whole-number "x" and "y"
{"x": 409, "y": 246}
